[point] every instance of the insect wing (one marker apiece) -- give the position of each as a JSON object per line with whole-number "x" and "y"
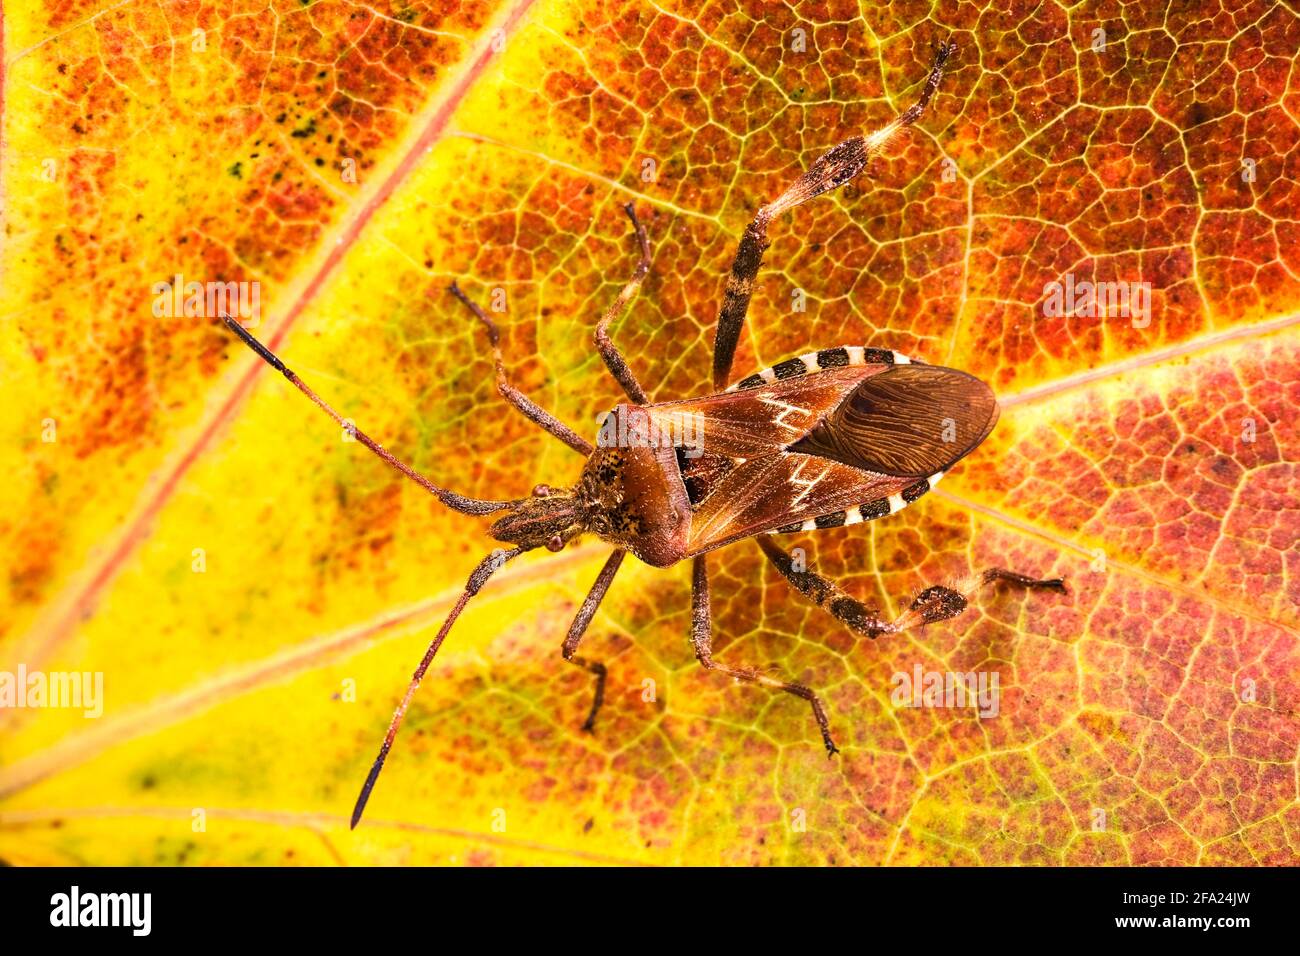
{"x": 909, "y": 421}
{"x": 759, "y": 421}
{"x": 763, "y": 494}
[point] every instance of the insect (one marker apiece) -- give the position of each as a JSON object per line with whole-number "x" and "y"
{"x": 827, "y": 439}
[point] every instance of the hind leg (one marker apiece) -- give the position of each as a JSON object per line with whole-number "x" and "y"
{"x": 936, "y": 603}
{"x": 830, "y": 171}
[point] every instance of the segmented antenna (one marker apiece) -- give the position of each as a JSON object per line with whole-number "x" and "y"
{"x": 468, "y": 506}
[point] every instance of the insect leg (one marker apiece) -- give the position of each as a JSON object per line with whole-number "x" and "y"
{"x": 579, "y": 627}
{"x": 825, "y": 593}
{"x": 613, "y": 358}
{"x": 702, "y": 638}
{"x": 828, "y": 172}
{"x": 530, "y": 409}
{"x": 468, "y": 506}
{"x": 936, "y": 603}
{"x": 478, "y": 577}
{"x": 940, "y": 602}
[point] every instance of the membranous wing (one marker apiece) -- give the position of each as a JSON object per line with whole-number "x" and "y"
{"x": 910, "y": 421}
{"x": 833, "y": 447}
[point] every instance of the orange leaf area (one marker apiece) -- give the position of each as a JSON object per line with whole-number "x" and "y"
{"x": 255, "y": 589}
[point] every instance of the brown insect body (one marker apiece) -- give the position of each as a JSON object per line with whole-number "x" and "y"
{"x": 827, "y": 439}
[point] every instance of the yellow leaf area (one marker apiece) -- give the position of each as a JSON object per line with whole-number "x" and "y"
{"x": 255, "y": 589}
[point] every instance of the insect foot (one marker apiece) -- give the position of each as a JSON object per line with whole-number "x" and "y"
{"x": 938, "y": 603}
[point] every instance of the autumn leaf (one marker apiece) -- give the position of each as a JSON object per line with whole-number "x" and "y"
{"x": 255, "y": 589}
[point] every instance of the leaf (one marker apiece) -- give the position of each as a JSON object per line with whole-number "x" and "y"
{"x": 1147, "y": 717}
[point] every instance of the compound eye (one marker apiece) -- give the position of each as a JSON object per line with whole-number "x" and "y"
{"x": 541, "y": 491}
{"x": 555, "y": 544}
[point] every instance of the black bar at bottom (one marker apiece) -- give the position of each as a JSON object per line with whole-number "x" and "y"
{"x": 577, "y": 908}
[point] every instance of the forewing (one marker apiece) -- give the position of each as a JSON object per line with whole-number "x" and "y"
{"x": 781, "y": 489}
{"x": 759, "y": 421}
{"x": 908, "y": 421}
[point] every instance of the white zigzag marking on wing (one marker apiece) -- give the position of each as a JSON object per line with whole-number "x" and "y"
{"x": 786, "y": 409}
{"x": 804, "y": 483}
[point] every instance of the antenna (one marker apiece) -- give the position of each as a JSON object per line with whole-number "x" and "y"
{"x": 468, "y": 506}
